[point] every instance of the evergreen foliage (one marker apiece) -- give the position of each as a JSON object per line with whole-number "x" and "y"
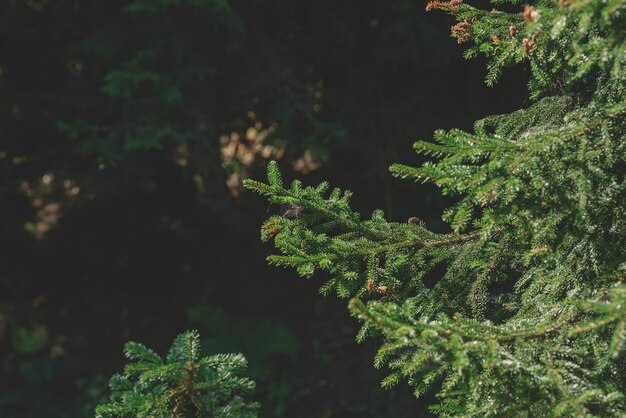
{"x": 528, "y": 318}
{"x": 181, "y": 385}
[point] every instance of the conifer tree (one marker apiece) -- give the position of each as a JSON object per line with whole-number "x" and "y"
{"x": 529, "y": 318}
{"x": 181, "y": 385}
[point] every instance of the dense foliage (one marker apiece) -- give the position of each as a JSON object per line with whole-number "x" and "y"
{"x": 181, "y": 385}
{"x": 520, "y": 310}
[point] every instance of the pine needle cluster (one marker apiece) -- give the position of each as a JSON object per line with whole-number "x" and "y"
{"x": 181, "y": 385}
{"x": 529, "y": 317}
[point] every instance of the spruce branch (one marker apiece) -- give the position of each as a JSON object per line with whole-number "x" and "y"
{"x": 184, "y": 384}
{"x": 411, "y": 344}
{"x": 329, "y": 236}
{"x": 528, "y": 318}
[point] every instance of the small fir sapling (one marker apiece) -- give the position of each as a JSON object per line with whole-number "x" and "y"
{"x": 183, "y": 384}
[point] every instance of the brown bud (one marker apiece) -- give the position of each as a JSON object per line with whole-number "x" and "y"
{"x": 527, "y": 45}
{"x": 535, "y": 36}
{"x": 416, "y": 221}
{"x": 530, "y": 14}
{"x": 460, "y": 31}
{"x": 450, "y": 6}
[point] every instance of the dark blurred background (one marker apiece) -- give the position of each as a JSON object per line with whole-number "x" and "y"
{"x": 126, "y": 128}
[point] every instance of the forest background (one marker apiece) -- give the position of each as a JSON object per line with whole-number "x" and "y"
{"x": 126, "y": 128}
